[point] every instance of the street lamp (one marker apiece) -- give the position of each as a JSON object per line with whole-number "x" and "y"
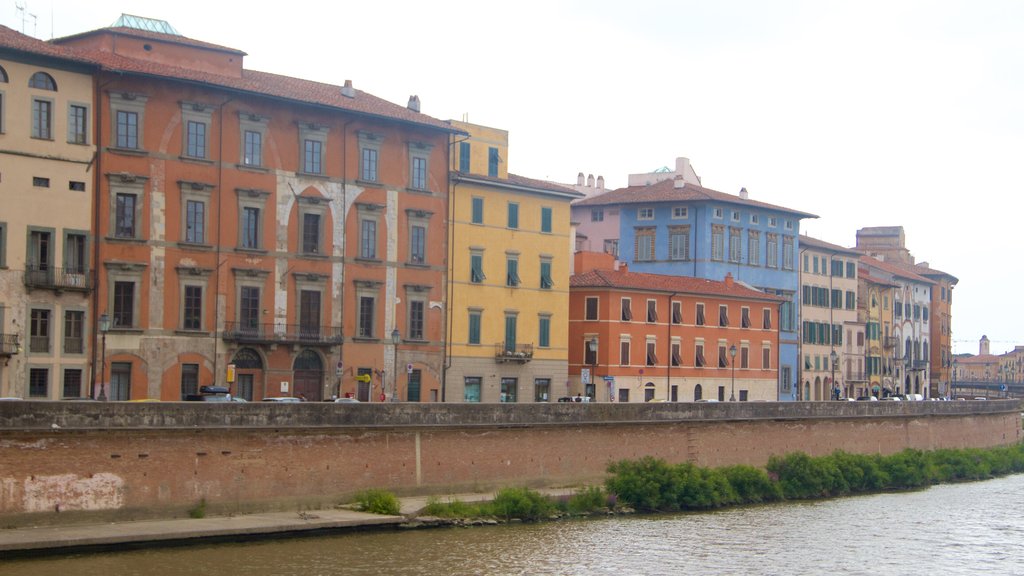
{"x": 104, "y": 326}
{"x": 732, "y": 360}
{"x": 396, "y": 337}
{"x": 835, "y": 360}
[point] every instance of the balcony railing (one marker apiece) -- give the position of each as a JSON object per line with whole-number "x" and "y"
{"x": 282, "y": 334}
{"x": 73, "y": 345}
{"x": 37, "y": 276}
{"x": 39, "y": 344}
{"x": 8, "y": 344}
{"x": 856, "y": 376}
{"x": 521, "y": 353}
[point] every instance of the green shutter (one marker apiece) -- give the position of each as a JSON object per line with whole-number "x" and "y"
{"x": 545, "y": 219}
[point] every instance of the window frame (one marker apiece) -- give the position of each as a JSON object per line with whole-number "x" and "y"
{"x": 312, "y": 149}
{"x": 78, "y": 124}
{"x": 369, "y": 155}
{"x": 249, "y": 122}
{"x": 42, "y": 120}
{"x": 133, "y": 105}
{"x": 419, "y": 166}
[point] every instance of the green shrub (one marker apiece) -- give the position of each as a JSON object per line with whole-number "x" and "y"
{"x": 199, "y": 511}
{"x": 801, "y": 476}
{"x": 907, "y": 469}
{"x": 378, "y": 502}
{"x": 647, "y": 484}
{"x": 455, "y": 509}
{"x": 700, "y": 488}
{"x": 859, "y": 472}
{"x": 587, "y": 500}
{"x": 521, "y": 503}
{"x": 751, "y": 485}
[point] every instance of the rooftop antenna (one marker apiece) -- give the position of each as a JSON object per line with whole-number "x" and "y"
{"x": 21, "y": 6}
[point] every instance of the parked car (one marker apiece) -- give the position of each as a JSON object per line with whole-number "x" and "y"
{"x": 210, "y": 394}
{"x": 346, "y": 400}
{"x": 288, "y": 399}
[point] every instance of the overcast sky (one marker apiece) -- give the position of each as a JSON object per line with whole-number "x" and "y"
{"x": 865, "y": 113}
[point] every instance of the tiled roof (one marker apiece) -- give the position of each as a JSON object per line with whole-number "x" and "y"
{"x": 665, "y": 191}
{"x": 253, "y": 82}
{"x": 807, "y": 241}
{"x": 519, "y": 181}
{"x": 665, "y": 283}
{"x": 894, "y": 269}
{"x": 150, "y": 35}
{"x": 869, "y": 278}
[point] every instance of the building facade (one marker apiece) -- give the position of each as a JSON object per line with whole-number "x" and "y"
{"x": 276, "y": 235}
{"x": 511, "y": 245}
{"x": 46, "y": 267}
{"x": 638, "y": 337}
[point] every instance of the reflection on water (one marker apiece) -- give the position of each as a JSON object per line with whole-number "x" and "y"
{"x": 974, "y": 528}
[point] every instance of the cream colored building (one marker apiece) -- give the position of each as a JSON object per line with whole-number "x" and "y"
{"x": 46, "y": 272}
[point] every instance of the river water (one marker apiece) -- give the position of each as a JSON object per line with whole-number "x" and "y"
{"x": 973, "y": 528}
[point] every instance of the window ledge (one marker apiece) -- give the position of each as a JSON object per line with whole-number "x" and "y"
{"x": 124, "y": 330}
{"x": 250, "y": 250}
{"x": 365, "y": 339}
{"x": 41, "y": 138}
{"x": 124, "y": 240}
{"x": 368, "y": 260}
{"x": 73, "y": 143}
{"x": 252, "y": 168}
{"x": 191, "y": 246}
{"x": 313, "y": 256}
{"x": 184, "y": 332}
{"x": 127, "y": 151}
{"x": 196, "y": 160}
{"x": 419, "y": 190}
{"x": 312, "y": 175}
{"x": 363, "y": 182}
{"x": 423, "y": 265}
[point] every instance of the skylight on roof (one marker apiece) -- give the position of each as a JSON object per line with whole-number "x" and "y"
{"x": 148, "y": 24}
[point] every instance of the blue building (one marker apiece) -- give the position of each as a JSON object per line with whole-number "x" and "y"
{"x": 676, "y": 227}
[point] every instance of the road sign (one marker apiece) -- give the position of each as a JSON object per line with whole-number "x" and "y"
{"x": 609, "y": 378}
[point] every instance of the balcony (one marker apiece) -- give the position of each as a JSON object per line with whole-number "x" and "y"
{"x": 75, "y": 279}
{"x": 856, "y": 376}
{"x": 917, "y": 365}
{"x": 521, "y": 353}
{"x": 281, "y": 334}
{"x": 9, "y": 346}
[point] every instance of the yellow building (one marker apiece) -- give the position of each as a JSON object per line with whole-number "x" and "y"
{"x": 874, "y": 308}
{"x": 510, "y": 257}
{"x": 46, "y": 272}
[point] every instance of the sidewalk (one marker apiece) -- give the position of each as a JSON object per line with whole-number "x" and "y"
{"x": 60, "y": 539}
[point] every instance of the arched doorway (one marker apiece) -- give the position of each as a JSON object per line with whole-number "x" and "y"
{"x": 648, "y": 391}
{"x": 308, "y": 372}
{"x": 818, "y": 388}
{"x": 248, "y": 364}
{"x": 698, "y": 392}
{"x": 807, "y": 391}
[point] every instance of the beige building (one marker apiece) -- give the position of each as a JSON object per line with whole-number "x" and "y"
{"x": 832, "y": 338}
{"x": 46, "y": 276}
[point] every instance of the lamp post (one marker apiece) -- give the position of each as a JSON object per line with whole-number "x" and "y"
{"x": 104, "y": 326}
{"x": 396, "y": 337}
{"x": 732, "y": 360}
{"x": 835, "y": 360}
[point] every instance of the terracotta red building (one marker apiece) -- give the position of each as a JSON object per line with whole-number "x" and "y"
{"x": 637, "y": 337}
{"x": 283, "y": 227}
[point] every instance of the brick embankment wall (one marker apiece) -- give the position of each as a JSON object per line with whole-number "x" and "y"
{"x": 105, "y": 461}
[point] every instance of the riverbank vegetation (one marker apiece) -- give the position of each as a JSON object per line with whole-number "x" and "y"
{"x": 523, "y": 504}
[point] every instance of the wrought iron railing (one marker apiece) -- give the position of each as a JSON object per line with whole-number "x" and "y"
{"x": 513, "y": 352}
{"x": 9, "y": 344}
{"x": 37, "y": 276}
{"x": 281, "y": 333}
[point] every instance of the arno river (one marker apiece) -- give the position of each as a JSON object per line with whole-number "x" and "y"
{"x": 974, "y": 528}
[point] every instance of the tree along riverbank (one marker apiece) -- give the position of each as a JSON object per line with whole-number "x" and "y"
{"x": 653, "y": 485}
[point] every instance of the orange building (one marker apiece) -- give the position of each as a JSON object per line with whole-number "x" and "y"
{"x": 283, "y": 227}
{"x": 646, "y": 337}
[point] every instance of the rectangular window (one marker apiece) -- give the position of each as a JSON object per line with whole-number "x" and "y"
{"x": 368, "y": 238}
{"x": 464, "y": 157}
{"x": 644, "y": 244}
{"x": 39, "y": 331}
{"x": 766, "y": 358}
{"x": 368, "y": 167}
{"x": 754, "y": 248}
{"x": 75, "y": 254}
{"x": 189, "y": 380}
{"x": 366, "y": 321}
{"x": 509, "y": 387}
{"x": 471, "y": 389}
{"x": 78, "y": 124}
{"x": 624, "y": 353}
{"x": 545, "y": 219}
{"x": 597, "y": 215}
{"x": 249, "y": 308}
{"x": 124, "y": 304}
{"x": 478, "y": 210}
{"x": 310, "y": 233}
{"x": 735, "y": 245}
{"x": 511, "y": 333}
{"x": 837, "y": 268}
{"x": 627, "y": 309}
{"x": 851, "y": 269}
{"x": 127, "y": 130}
{"x": 124, "y": 214}
{"x": 309, "y": 314}
{"x": 195, "y": 146}
{"x": 677, "y": 312}
{"x": 418, "y": 177}
{"x": 252, "y": 154}
{"x": 42, "y": 119}
{"x": 545, "y": 275}
{"x": 723, "y": 356}
{"x": 679, "y": 243}
{"x": 192, "y": 311}
{"x": 744, "y": 357}
{"x": 476, "y": 268}
{"x": 541, "y": 389}
{"x": 120, "y": 381}
{"x": 699, "y": 316}
{"x": 652, "y": 311}
{"x": 195, "y": 222}
{"x": 723, "y": 315}
{"x": 745, "y": 317}
{"x": 312, "y": 156}
{"x": 590, "y": 351}
{"x": 772, "y": 251}
{"x": 679, "y": 212}
{"x": 766, "y": 319}
{"x": 72, "y": 383}
{"x": 40, "y": 182}
{"x": 513, "y": 215}
{"x": 250, "y": 224}
{"x": 787, "y": 252}
{"x": 837, "y": 298}
{"x": 512, "y": 272}
{"x": 418, "y": 244}
{"x": 38, "y": 383}
{"x": 544, "y": 329}
{"x": 698, "y": 359}
{"x": 417, "y": 316}
{"x": 591, "y": 309}
{"x": 493, "y": 159}
{"x": 645, "y": 214}
{"x": 474, "y": 326}
{"x": 652, "y": 355}
{"x": 74, "y": 342}
{"x": 717, "y": 243}
{"x": 676, "y": 354}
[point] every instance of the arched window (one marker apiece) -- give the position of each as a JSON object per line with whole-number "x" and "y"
{"x": 42, "y": 81}
{"x": 3, "y": 75}
{"x": 698, "y": 392}
{"x": 247, "y": 359}
{"x": 308, "y": 360}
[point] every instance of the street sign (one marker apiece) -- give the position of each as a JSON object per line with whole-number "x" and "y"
{"x": 408, "y": 368}
{"x": 585, "y": 375}
{"x": 284, "y": 387}
{"x": 609, "y": 378}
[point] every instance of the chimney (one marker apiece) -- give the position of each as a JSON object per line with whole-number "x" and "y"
{"x": 600, "y": 182}
{"x": 728, "y": 279}
{"x": 347, "y": 90}
{"x": 682, "y": 166}
{"x": 743, "y": 194}
{"x": 680, "y": 182}
{"x": 414, "y": 103}
{"x": 579, "y": 179}
{"x": 623, "y": 267}
{"x": 590, "y": 180}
